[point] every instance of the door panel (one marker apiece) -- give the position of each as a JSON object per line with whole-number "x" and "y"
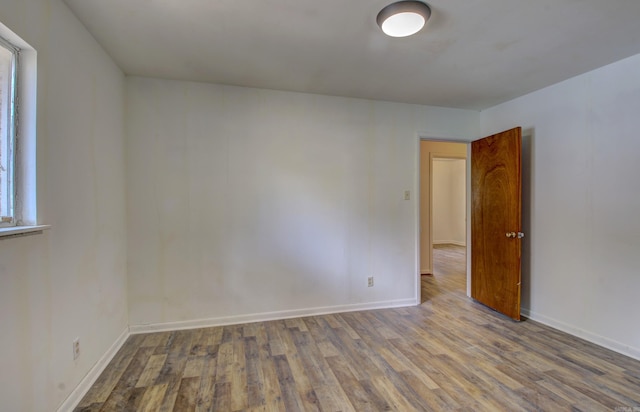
{"x": 496, "y": 205}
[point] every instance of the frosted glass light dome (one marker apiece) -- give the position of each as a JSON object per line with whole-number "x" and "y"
{"x": 403, "y": 18}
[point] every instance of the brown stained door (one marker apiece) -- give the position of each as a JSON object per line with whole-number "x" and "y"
{"x": 496, "y": 203}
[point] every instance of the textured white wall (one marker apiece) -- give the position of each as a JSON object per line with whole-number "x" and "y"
{"x": 581, "y": 201}
{"x": 245, "y": 201}
{"x": 449, "y": 201}
{"x": 70, "y": 281}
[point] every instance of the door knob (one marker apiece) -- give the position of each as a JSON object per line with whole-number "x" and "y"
{"x": 520, "y": 235}
{"x": 511, "y": 234}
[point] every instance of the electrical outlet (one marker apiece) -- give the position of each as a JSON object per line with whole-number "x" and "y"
{"x": 407, "y": 195}
{"x": 76, "y": 348}
{"x": 370, "y": 282}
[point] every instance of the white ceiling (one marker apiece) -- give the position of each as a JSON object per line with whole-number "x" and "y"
{"x": 473, "y": 53}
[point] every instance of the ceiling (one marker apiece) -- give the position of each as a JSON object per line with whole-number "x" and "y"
{"x": 473, "y": 54}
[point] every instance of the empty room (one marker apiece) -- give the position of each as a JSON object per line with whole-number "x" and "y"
{"x": 319, "y": 205}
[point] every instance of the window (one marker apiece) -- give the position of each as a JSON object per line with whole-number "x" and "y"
{"x": 8, "y": 74}
{"x": 18, "y": 114}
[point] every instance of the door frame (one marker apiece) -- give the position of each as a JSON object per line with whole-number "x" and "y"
{"x": 467, "y": 143}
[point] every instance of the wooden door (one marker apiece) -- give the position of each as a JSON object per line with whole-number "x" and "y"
{"x": 496, "y": 204}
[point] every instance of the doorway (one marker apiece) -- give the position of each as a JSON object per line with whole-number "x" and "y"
{"x": 443, "y": 207}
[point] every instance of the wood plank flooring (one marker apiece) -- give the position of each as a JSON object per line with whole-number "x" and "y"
{"x": 449, "y": 353}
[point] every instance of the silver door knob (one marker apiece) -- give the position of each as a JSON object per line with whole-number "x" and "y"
{"x": 520, "y": 235}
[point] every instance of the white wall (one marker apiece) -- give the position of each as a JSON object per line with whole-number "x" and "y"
{"x": 245, "y": 201}
{"x": 449, "y": 201}
{"x": 70, "y": 281}
{"x": 582, "y": 198}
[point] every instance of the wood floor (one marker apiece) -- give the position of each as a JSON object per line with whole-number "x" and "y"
{"x": 447, "y": 354}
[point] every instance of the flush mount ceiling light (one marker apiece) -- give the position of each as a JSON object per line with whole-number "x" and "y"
{"x": 403, "y": 18}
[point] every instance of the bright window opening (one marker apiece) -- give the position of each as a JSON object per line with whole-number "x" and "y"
{"x": 8, "y": 71}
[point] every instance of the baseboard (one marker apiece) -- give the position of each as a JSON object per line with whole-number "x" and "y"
{"x": 426, "y": 271}
{"x": 449, "y": 242}
{"x": 90, "y": 378}
{"x": 263, "y": 317}
{"x": 581, "y": 333}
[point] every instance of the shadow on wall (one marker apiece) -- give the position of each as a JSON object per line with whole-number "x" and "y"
{"x": 528, "y": 140}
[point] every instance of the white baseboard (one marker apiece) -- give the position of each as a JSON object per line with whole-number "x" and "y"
{"x": 449, "y": 242}
{"x": 581, "y": 333}
{"x": 90, "y": 378}
{"x": 262, "y": 317}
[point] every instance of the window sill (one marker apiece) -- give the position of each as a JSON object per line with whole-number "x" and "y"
{"x": 22, "y": 230}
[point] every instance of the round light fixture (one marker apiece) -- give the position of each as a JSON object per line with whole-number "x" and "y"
{"x": 403, "y": 18}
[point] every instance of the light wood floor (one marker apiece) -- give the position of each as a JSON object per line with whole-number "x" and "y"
{"x": 447, "y": 354}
